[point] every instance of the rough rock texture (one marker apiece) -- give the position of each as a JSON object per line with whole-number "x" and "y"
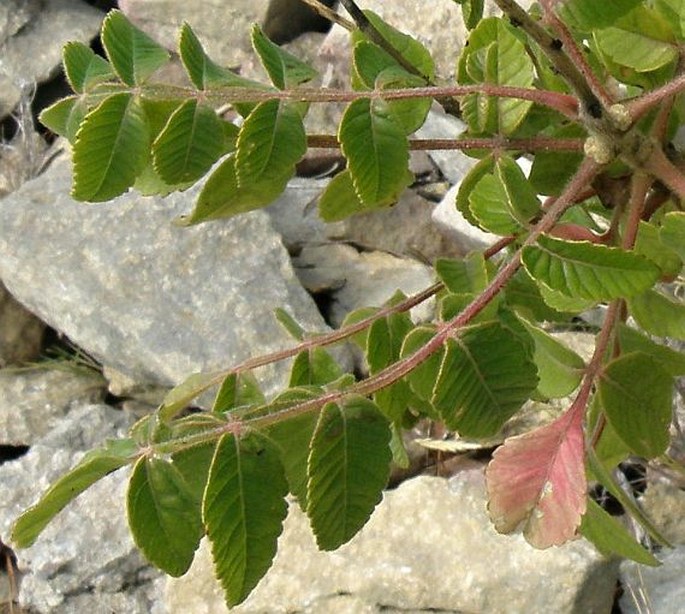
{"x": 428, "y": 547}
{"x": 355, "y": 279}
{"x": 664, "y": 503}
{"x": 85, "y": 560}
{"x": 21, "y": 333}
{"x": 152, "y": 300}
{"x": 32, "y": 402}
{"x": 32, "y": 34}
{"x": 655, "y": 589}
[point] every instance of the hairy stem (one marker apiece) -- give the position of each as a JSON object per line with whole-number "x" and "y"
{"x": 665, "y": 171}
{"x": 329, "y": 14}
{"x": 639, "y": 106}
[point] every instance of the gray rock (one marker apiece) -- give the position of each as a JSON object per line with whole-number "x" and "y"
{"x": 654, "y": 589}
{"x": 32, "y": 35}
{"x": 21, "y": 333}
{"x": 664, "y": 504}
{"x": 355, "y": 279}
{"x": 429, "y": 546}
{"x": 152, "y": 300}
{"x": 32, "y": 402}
{"x": 86, "y": 554}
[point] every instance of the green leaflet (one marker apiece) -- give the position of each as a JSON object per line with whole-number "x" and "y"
{"x": 94, "y": 466}
{"x": 673, "y": 11}
{"x": 132, "y": 53}
{"x": 466, "y": 276}
{"x": 112, "y": 147}
{"x": 658, "y": 314}
{"x": 243, "y": 511}
{"x": 180, "y": 396}
{"x": 314, "y": 367}
{"x": 163, "y": 515}
{"x": 636, "y": 395}
{"x": 579, "y": 269}
{"x": 673, "y": 232}
{"x": 284, "y": 69}
{"x": 64, "y": 117}
{"x": 472, "y": 12}
{"x": 221, "y": 195}
{"x": 495, "y": 54}
{"x": 485, "y": 376}
{"x": 559, "y": 368}
{"x": 632, "y": 340}
{"x": 503, "y": 201}
{"x": 83, "y": 67}
{"x": 376, "y": 150}
{"x": 422, "y": 378}
{"x": 635, "y": 50}
{"x": 270, "y": 142}
{"x": 590, "y": 14}
{"x": 348, "y": 468}
{"x": 238, "y": 390}
{"x": 481, "y": 169}
{"x": 188, "y": 146}
{"x": 650, "y": 244}
{"x": 611, "y": 537}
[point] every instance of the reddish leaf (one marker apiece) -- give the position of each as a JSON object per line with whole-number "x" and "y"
{"x": 538, "y": 480}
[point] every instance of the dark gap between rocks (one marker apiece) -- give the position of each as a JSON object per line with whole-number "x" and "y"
{"x": 9, "y": 453}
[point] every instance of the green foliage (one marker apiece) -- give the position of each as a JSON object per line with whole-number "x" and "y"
{"x": 611, "y": 235}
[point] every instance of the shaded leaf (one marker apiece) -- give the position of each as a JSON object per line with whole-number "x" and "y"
{"x": 611, "y": 537}
{"x": 632, "y": 340}
{"x": 193, "y": 464}
{"x": 94, "y": 466}
{"x": 163, "y": 515}
{"x": 580, "y": 269}
{"x": 314, "y": 367}
{"x": 243, "y": 512}
{"x": 348, "y": 469}
{"x": 238, "y": 390}
{"x": 673, "y": 232}
{"x": 538, "y": 479}
{"x": 465, "y": 276}
{"x": 485, "y": 376}
{"x": 658, "y": 314}
{"x": 636, "y": 395}
{"x": 132, "y": 53}
{"x": 590, "y": 14}
{"x": 112, "y": 147}
{"x": 64, "y": 117}
{"x": 179, "y": 397}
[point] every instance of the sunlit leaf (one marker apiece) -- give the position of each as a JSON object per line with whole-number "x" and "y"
{"x": 94, "y": 466}
{"x": 238, "y": 390}
{"x": 538, "y": 479}
{"x": 284, "y": 69}
{"x": 314, "y": 367}
{"x": 243, "y": 510}
{"x": 673, "y": 232}
{"x": 580, "y": 269}
{"x": 164, "y": 517}
{"x": 132, "y": 53}
{"x": 590, "y": 14}
{"x": 83, "y": 67}
{"x": 348, "y": 469}
{"x": 64, "y": 117}
{"x": 179, "y": 397}
{"x": 112, "y": 147}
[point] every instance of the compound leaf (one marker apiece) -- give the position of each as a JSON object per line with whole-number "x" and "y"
{"x": 164, "y": 517}
{"x": 636, "y": 395}
{"x": 111, "y": 149}
{"x": 94, "y": 466}
{"x": 189, "y": 143}
{"x": 243, "y": 510}
{"x": 348, "y": 469}
{"x": 132, "y": 53}
{"x": 580, "y": 269}
{"x": 538, "y": 479}
{"x": 376, "y": 149}
{"x": 485, "y": 376}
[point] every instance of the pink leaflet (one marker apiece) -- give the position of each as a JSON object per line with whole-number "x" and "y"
{"x": 538, "y": 479}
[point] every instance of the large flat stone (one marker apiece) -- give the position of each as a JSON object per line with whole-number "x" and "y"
{"x": 147, "y": 298}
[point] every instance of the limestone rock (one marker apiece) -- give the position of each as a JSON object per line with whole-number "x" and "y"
{"x": 429, "y": 546}
{"x": 32, "y": 35}
{"x": 152, "y": 300}
{"x": 32, "y": 402}
{"x": 85, "y": 560}
{"x": 21, "y": 333}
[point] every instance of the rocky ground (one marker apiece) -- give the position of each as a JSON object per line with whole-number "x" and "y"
{"x": 135, "y": 304}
